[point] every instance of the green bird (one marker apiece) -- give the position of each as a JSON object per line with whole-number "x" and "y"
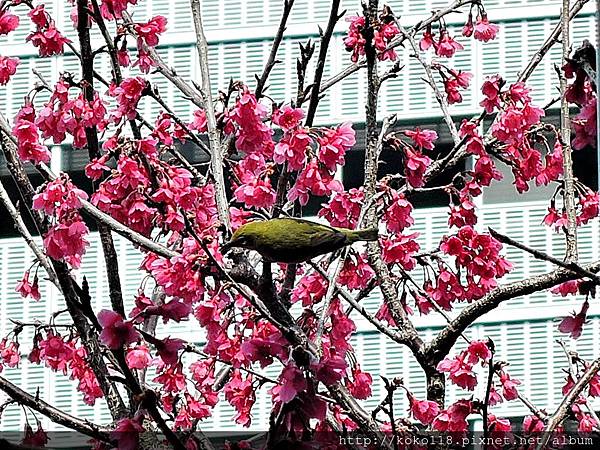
{"x": 291, "y": 240}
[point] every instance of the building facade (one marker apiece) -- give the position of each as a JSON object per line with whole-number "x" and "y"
{"x": 240, "y": 34}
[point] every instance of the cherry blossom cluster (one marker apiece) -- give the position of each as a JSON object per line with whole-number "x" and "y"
{"x": 461, "y": 371}
{"x": 62, "y": 115}
{"x": 383, "y": 32}
{"x": 66, "y": 237}
{"x": 314, "y": 153}
{"x": 46, "y": 37}
{"x": 63, "y": 354}
{"x": 444, "y": 45}
{"x": 27, "y": 134}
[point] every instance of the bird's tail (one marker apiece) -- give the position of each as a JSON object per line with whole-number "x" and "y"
{"x": 370, "y": 234}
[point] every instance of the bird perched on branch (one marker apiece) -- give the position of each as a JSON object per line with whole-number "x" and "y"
{"x": 291, "y": 240}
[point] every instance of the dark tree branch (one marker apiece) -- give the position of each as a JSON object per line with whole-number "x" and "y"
{"x": 54, "y": 414}
{"x": 439, "y": 347}
{"x": 334, "y": 16}
{"x": 572, "y": 266}
{"x": 262, "y": 81}
{"x": 563, "y": 409}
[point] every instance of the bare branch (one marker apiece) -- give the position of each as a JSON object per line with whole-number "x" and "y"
{"x": 563, "y": 409}
{"x": 54, "y": 414}
{"x": 549, "y": 42}
{"x": 439, "y": 347}
{"x": 262, "y": 81}
{"x": 213, "y": 133}
{"x": 323, "y": 49}
{"x": 565, "y": 136}
{"x": 572, "y": 266}
{"x": 432, "y": 83}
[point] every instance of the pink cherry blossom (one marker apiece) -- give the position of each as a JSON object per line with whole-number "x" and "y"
{"x": 292, "y": 382}
{"x": 415, "y": 167}
{"x": 423, "y": 410}
{"x": 567, "y": 288}
{"x": 360, "y": 386}
{"x": 127, "y": 432}
{"x": 138, "y": 357}
{"x": 573, "y": 325}
{"x": 9, "y": 353}
{"x": 355, "y": 42}
{"x": 168, "y": 349}
{"x": 114, "y": 9}
{"x": 428, "y": 40}
{"x": 509, "y": 386}
{"x": 8, "y": 22}
{"x": 460, "y": 371}
{"x": 334, "y": 143}
{"x": 446, "y": 45}
{"x": 484, "y": 30}
{"x": 150, "y": 30}
{"x": 258, "y": 193}
{"x": 8, "y": 67}
{"x": 423, "y": 139}
{"x": 287, "y": 117}
{"x": 344, "y": 208}
{"x": 27, "y": 289}
{"x": 491, "y": 91}
{"x": 116, "y": 332}
{"x": 398, "y": 216}
{"x": 292, "y": 149}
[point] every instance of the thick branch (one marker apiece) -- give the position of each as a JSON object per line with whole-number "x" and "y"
{"x": 565, "y": 135}
{"x": 87, "y": 71}
{"x": 445, "y": 340}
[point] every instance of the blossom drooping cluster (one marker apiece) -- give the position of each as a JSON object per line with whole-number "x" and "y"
{"x": 46, "y": 37}
{"x": 66, "y": 355}
{"x": 8, "y": 67}
{"x": 479, "y": 256}
{"x": 384, "y": 31}
{"x": 62, "y": 115}
{"x": 27, "y": 134}
{"x": 147, "y": 36}
{"x": 66, "y": 237}
{"x": 343, "y": 209}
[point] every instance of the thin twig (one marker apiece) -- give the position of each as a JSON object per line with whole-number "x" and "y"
{"x": 538, "y": 254}
{"x": 432, "y": 83}
{"x": 54, "y": 414}
{"x": 321, "y": 60}
{"x": 563, "y": 409}
{"x": 262, "y": 81}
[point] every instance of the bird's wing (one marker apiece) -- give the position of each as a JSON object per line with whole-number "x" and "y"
{"x": 327, "y": 237}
